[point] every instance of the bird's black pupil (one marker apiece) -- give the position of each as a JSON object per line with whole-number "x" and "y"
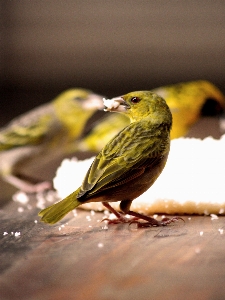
{"x": 135, "y": 100}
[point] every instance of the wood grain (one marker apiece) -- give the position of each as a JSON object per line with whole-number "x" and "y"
{"x": 85, "y": 259}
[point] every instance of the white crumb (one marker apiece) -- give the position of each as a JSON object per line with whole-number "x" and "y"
{"x": 5, "y": 233}
{"x": 35, "y": 221}
{"x": 20, "y": 209}
{"x": 201, "y": 233}
{"x": 110, "y": 104}
{"x": 100, "y": 245}
{"x": 41, "y": 201}
{"x": 17, "y": 234}
{"x": 214, "y": 217}
{"x": 88, "y": 218}
{"x": 20, "y": 197}
{"x": 197, "y": 250}
{"x": 74, "y": 211}
{"x": 220, "y": 230}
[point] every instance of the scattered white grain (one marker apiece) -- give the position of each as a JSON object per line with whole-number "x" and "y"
{"x": 189, "y": 218}
{"x": 5, "y": 233}
{"x": 220, "y": 230}
{"x": 201, "y": 233}
{"x": 105, "y": 227}
{"x": 17, "y": 234}
{"x": 74, "y": 211}
{"x": 92, "y": 212}
{"x": 88, "y": 218}
{"x": 20, "y": 197}
{"x": 100, "y": 245}
{"x": 214, "y": 217}
{"x": 197, "y": 250}
{"x": 155, "y": 216}
{"x": 60, "y": 228}
{"x": 41, "y": 202}
{"x": 20, "y": 209}
{"x": 35, "y": 221}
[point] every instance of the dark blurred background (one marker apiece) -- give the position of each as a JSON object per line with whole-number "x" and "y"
{"x": 111, "y": 47}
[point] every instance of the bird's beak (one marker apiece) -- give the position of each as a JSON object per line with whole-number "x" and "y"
{"x": 115, "y": 104}
{"x": 93, "y": 101}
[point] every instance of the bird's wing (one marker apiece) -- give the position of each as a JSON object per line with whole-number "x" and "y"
{"x": 124, "y": 158}
{"x": 28, "y": 129}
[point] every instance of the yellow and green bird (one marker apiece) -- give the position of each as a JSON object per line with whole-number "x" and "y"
{"x": 129, "y": 164}
{"x": 43, "y": 134}
{"x": 187, "y": 102}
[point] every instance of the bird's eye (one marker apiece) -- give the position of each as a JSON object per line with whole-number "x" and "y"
{"x": 135, "y": 100}
{"x": 77, "y": 98}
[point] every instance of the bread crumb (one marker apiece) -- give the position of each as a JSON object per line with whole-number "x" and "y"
{"x": 214, "y": 217}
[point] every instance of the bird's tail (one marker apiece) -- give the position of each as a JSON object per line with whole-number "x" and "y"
{"x": 57, "y": 211}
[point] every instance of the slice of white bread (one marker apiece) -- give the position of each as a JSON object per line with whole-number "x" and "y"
{"x": 193, "y": 181}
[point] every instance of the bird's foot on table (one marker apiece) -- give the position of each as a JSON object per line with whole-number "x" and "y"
{"x": 142, "y": 221}
{"x": 155, "y": 223}
{"x": 121, "y": 219}
{"x": 120, "y": 216}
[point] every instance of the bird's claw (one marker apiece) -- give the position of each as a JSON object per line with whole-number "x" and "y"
{"x": 120, "y": 220}
{"x": 166, "y": 221}
{"x": 154, "y": 223}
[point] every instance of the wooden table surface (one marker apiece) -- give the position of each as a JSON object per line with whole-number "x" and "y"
{"x": 83, "y": 258}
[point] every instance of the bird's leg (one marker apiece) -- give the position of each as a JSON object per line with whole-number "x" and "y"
{"x": 120, "y": 216}
{"x": 27, "y": 186}
{"x": 125, "y": 205}
{"x": 151, "y": 221}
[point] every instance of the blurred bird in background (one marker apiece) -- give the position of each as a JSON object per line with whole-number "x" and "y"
{"x": 43, "y": 134}
{"x": 188, "y": 101}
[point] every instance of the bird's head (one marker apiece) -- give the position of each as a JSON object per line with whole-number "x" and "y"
{"x": 139, "y": 105}
{"x": 78, "y": 97}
